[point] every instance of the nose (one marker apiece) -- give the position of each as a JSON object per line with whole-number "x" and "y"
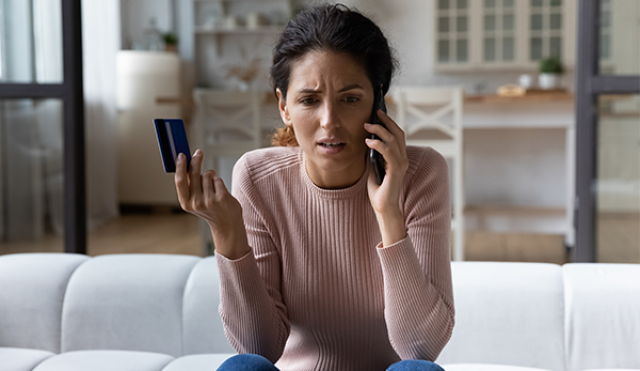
{"x": 329, "y": 117}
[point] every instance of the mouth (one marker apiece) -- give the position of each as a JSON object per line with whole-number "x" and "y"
{"x": 331, "y": 144}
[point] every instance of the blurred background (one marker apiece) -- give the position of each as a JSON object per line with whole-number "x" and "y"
{"x": 513, "y": 173}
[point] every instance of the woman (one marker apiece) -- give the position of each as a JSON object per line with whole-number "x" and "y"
{"x": 320, "y": 267}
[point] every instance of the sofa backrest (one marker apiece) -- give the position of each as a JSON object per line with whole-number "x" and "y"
{"x": 602, "y": 316}
{"x": 507, "y": 313}
{"x": 32, "y": 289}
{"x": 148, "y": 302}
{"x": 127, "y": 302}
{"x": 203, "y": 329}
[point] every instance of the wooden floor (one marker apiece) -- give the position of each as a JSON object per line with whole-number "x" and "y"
{"x": 166, "y": 233}
{"x": 618, "y": 238}
{"x": 179, "y": 233}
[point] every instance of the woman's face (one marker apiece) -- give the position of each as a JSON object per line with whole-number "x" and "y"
{"x": 329, "y": 99}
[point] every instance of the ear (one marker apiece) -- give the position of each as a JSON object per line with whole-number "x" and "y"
{"x": 282, "y": 107}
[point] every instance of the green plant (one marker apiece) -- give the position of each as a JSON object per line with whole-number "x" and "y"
{"x": 170, "y": 38}
{"x": 551, "y": 65}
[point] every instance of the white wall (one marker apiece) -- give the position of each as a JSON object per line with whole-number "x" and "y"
{"x": 136, "y": 15}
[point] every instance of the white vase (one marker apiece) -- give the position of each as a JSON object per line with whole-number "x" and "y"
{"x": 549, "y": 81}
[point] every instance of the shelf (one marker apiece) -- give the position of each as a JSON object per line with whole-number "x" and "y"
{"x": 517, "y": 219}
{"x": 206, "y": 30}
{"x": 529, "y": 97}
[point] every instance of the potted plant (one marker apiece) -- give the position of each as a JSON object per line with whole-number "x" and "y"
{"x": 550, "y": 71}
{"x": 170, "y": 42}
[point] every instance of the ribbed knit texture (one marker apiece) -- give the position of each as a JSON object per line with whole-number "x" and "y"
{"x": 318, "y": 291}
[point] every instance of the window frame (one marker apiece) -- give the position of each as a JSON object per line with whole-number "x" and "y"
{"x": 590, "y": 84}
{"x": 71, "y": 92}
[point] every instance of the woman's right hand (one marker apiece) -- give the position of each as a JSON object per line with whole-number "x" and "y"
{"x": 206, "y": 196}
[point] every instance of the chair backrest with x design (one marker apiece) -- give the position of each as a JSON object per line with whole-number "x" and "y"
{"x": 423, "y": 112}
{"x": 227, "y": 123}
{"x": 421, "y": 109}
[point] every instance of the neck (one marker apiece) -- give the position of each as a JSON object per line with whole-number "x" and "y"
{"x": 337, "y": 179}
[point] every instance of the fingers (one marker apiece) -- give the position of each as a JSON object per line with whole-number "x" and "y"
{"x": 182, "y": 181}
{"x": 221, "y": 189}
{"x": 393, "y": 128}
{"x": 392, "y": 145}
{"x": 390, "y": 124}
{"x": 387, "y": 140}
{"x": 208, "y": 187}
{"x": 194, "y": 174}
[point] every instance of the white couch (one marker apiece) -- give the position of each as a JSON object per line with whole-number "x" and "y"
{"x": 159, "y": 312}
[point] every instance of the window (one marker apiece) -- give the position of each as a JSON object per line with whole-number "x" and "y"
{"x": 503, "y": 34}
{"x": 453, "y": 31}
{"x": 499, "y": 30}
{"x": 36, "y": 93}
{"x": 545, "y": 26}
{"x": 605, "y": 30}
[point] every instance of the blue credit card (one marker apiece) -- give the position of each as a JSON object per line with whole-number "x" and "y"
{"x": 172, "y": 140}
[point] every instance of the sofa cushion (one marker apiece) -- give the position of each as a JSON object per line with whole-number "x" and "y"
{"x": 18, "y": 359}
{"x": 486, "y": 367}
{"x": 602, "y": 316}
{"x": 508, "y": 314}
{"x": 203, "y": 329}
{"x": 105, "y": 360}
{"x": 127, "y": 302}
{"x": 33, "y": 289}
{"x": 198, "y": 362}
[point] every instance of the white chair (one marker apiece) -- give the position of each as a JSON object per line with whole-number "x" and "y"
{"x": 433, "y": 117}
{"x": 227, "y": 124}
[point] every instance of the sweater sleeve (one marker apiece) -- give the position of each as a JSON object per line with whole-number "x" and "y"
{"x": 251, "y": 304}
{"x": 418, "y": 291}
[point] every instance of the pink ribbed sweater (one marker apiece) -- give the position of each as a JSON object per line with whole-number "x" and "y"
{"x": 318, "y": 291}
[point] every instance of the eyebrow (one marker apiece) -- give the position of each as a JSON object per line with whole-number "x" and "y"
{"x": 346, "y": 88}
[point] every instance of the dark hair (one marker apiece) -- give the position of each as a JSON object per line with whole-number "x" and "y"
{"x": 336, "y": 28}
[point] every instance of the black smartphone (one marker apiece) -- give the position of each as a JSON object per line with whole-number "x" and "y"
{"x": 172, "y": 140}
{"x": 377, "y": 160}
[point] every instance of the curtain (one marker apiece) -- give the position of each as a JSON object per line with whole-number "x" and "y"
{"x": 31, "y": 131}
{"x": 101, "y": 42}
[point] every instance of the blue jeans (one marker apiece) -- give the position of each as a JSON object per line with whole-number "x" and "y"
{"x": 253, "y": 362}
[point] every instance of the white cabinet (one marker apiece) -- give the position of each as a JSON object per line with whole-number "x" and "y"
{"x": 502, "y": 34}
{"x": 143, "y": 76}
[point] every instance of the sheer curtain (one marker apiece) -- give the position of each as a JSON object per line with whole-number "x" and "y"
{"x": 31, "y": 173}
{"x": 101, "y": 42}
{"x": 31, "y": 131}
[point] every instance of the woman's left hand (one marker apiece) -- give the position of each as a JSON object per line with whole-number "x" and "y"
{"x": 385, "y": 198}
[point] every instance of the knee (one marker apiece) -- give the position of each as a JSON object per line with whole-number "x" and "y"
{"x": 247, "y": 362}
{"x": 415, "y": 365}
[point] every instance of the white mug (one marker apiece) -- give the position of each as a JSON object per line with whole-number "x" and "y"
{"x": 526, "y": 81}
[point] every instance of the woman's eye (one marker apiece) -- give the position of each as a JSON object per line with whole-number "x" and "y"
{"x": 307, "y": 101}
{"x": 352, "y": 99}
